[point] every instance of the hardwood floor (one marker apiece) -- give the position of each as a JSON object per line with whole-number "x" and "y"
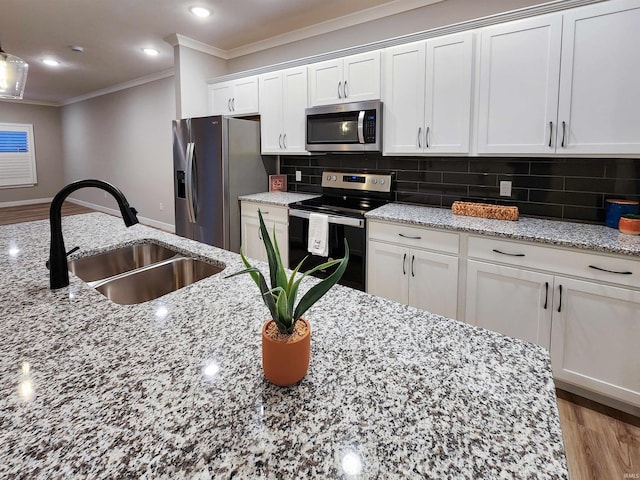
{"x": 601, "y": 443}
{"x": 39, "y": 211}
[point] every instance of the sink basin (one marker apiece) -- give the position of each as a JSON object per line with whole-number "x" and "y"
{"x": 154, "y": 281}
{"x": 120, "y": 260}
{"x": 140, "y": 272}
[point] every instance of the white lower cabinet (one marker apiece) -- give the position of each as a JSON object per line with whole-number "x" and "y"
{"x": 595, "y": 339}
{"x": 404, "y": 272}
{"x": 275, "y": 217}
{"x": 590, "y": 324}
{"x": 510, "y": 301}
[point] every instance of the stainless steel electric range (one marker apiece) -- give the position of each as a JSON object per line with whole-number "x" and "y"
{"x": 346, "y": 197}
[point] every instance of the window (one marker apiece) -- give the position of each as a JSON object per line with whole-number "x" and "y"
{"x": 17, "y": 155}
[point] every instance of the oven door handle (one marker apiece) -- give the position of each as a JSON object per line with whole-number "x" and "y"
{"x": 348, "y": 221}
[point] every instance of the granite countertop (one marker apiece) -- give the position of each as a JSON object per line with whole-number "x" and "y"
{"x": 278, "y": 198}
{"x": 598, "y": 238}
{"x": 173, "y": 388}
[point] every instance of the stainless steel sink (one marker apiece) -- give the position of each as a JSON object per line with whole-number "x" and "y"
{"x": 140, "y": 272}
{"x": 151, "y": 282}
{"x": 120, "y": 260}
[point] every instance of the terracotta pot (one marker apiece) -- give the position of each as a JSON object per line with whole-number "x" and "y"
{"x": 285, "y": 363}
{"x": 630, "y": 224}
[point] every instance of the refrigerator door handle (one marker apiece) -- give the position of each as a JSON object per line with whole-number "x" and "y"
{"x": 189, "y": 181}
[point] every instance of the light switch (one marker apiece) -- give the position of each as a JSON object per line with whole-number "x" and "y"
{"x": 298, "y": 176}
{"x": 505, "y": 188}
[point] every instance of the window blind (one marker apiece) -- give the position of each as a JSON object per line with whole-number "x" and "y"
{"x": 17, "y": 156}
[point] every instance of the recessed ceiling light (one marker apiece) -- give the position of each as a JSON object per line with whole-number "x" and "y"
{"x": 200, "y": 11}
{"x": 51, "y": 62}
{"x": 152, "y": 52}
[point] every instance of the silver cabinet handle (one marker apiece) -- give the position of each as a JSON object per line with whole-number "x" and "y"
{"x": 404, "y": 261}
{"x": 284, "y": 141}
{"x": 280, "y": 141}
{"x": 509, "y": 254}
{"x": 229, "y": 104}
{"x": 413, "y": 259}
{"x": 419, "y": 137}
{"x": 564, "y": 131}
{"x": 233, "y": 104}
{"x": 426, "y": 138}
{"x": 339, "y": 91}
{"x": 610, "y": 271}
{"x": 550, "y": 132}
{"x": 346, "y": 91}
{"x": 410, "y": 237}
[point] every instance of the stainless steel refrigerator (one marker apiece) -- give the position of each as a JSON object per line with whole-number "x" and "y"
{"x": 216, "y": 159}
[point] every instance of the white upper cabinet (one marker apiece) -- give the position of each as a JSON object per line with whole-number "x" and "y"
{"x": 235, "y": 97}
{"x": 351, "y": 79}
{"x": 427, "y": 96}
{"x": 283, "y": 99}
{"x": 599, "y": 89}
{"x": 518, "y": 91}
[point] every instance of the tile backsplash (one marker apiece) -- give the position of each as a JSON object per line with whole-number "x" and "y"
{"x": 566, "y": 188}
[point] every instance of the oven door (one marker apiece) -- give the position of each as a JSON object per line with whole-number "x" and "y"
{"x": 339, "y": 228}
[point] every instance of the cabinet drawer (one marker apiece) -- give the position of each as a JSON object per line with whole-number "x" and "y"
{"x": 415, "y": 236}
{"x": 269, "y": 212}
{"x": 593, "y": 266}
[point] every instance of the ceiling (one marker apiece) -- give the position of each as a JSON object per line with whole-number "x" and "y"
{"x": 113, "y": 32}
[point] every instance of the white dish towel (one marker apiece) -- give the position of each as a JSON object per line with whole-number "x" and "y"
{"x": 318, "y": 234}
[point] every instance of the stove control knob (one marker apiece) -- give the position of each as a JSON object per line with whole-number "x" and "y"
{"x": 334, "y": 178}
{"x": 375, "y": 180}
{"x": 382, "y": 181}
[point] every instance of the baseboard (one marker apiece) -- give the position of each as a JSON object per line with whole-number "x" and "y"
{"x": 600, "y": 399}
{"x": 167, "y": 227}
{"x": 20, "y": 203}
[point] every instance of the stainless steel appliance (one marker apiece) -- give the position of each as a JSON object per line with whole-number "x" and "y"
{"x": 216, "y": 159}
{"x": 346, "y": 127}
{"x": 346, "y": 197}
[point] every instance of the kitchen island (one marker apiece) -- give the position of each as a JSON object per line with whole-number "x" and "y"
{"x": 173, "y": 388}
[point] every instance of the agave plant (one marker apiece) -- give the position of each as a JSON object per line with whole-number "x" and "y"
{"x": 281, "y": 297}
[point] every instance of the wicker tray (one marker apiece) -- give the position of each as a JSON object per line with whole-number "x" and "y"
{"x": 484, "y": 210}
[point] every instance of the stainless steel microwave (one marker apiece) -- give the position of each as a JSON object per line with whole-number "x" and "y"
{"x": 345, "y": 127}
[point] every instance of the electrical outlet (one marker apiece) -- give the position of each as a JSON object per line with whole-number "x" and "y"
{"x": 505, "y": 188}
{"x": 298, "y": 176}
{"x": 161, "y": 206}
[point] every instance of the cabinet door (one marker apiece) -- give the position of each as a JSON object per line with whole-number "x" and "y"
{"x": 252, "y": 244}
{"x": 388, "y": 271}
{"x": 245, "y": 96}
{"x": 448, "y": 94}
{"x": 510, "y": 301}
{"x": 518, "y": 92}
{"x": 325, "y": 83}
{"x": 595, "y": 336}
{"x": 271, "y": 112}
{"x": 220, "y": 95}
{"x": 403, "y": 98}
{"x": 361, "y": 80}
{"x": 599, "y": 94}
{"x": 294, "y": 101}
{"x": 433, "y": 282}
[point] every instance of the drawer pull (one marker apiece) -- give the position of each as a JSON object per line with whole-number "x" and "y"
{"x": 546, "y": 294}
{"x": 560, "y": 302}
{"x": 610, "y": 271}
{"x": 509, "y": 254}
{"x": 409, "y": 237}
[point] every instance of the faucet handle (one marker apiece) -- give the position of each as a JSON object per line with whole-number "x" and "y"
{"x": 74, "y": 249}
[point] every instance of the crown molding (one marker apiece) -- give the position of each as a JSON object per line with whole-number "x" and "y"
{"x": 31, "y": 102}
{"x": 346, "y": 21}
{"x": 122, "y": 86}
{"x": 177, "y": 39}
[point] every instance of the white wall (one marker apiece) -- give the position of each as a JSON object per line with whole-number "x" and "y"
{"x": 425, "y": 18}
{"x": 193, "y": 69}
{"x": 47, "y": 132}
{"x": 124, "y": 138}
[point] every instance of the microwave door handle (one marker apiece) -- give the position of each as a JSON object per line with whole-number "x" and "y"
{"x": 361, "y": 126}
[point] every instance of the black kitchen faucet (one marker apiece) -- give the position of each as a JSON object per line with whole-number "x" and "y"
{"x": 58, "y": 270}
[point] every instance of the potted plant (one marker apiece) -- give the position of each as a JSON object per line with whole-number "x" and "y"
{"x": 286, "y": 341}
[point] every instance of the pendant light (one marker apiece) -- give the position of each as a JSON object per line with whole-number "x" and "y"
{"x": 13, "y": 75}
